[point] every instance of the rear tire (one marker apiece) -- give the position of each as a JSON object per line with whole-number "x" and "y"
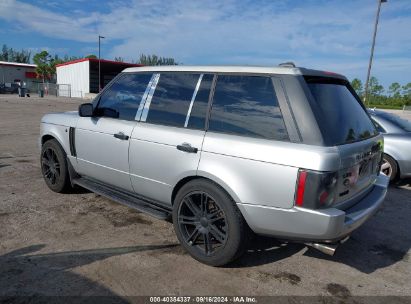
{"x": 208, "y": 223}
{"x": 54, "y": 166}
{"x": 389, "y": 167}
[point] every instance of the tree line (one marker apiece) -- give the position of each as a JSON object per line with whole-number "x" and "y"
{"x": 396, "y": 96}
{"x": 11, "y": 55}
{"x": 151, "y": 60}
{"x": 46, "y": 63}
{"x": 24, "y": 56}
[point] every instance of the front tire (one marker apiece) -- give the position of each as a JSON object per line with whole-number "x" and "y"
{"x": 54, "y": 166}
{"x": 208, "y": 223}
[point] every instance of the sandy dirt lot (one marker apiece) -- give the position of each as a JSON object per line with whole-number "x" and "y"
{"x": 83, "y": 244}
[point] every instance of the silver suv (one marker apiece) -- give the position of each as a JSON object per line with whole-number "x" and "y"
{"x": 225, "y": 151}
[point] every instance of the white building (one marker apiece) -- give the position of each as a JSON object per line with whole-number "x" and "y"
{"x": 80, "y": 77}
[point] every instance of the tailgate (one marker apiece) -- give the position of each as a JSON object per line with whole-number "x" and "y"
{"x": 359, "y": 168}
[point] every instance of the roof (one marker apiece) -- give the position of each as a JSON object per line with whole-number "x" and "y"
{"x": 18, "y": 64}
{"x": 97, "y": 60}
{"x": 235, "y": 69}
{"x": 213, "y": 69}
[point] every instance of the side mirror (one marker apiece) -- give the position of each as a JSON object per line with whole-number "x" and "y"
{"x": 85, "y": 110}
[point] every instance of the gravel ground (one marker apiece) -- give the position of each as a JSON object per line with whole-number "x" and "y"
{"x": 83, "y": 244}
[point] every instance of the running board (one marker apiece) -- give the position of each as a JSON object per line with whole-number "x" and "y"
{"x": 124, "y": 198}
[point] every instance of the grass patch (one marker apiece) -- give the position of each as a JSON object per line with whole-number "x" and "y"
{"x": 381, "y": 106}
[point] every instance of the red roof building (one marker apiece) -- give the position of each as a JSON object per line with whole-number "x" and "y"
{"x": 12, "y": 72}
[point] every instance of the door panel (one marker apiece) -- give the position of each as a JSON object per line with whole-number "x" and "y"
{"x": 252, "y": 167}
{"x": 247, "y": 140}
{"x": 165, "y": 146}
{"x": 100, "y": 155}
{"x": 102, "y": 142}
{"x": 156, "y": 164}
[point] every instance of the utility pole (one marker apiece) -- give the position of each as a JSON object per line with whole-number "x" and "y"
{"x": 372, "y": 51}
{"x": 99, "y": 63}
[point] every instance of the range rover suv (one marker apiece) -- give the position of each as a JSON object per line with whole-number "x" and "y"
{"x": 223, "y": 152}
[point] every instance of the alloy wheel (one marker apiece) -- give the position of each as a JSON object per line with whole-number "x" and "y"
{"x": 386, "y": 168}
{"x": 50, "y": 166}
{"x": 202, "y": 222}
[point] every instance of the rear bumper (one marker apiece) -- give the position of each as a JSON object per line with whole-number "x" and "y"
{"x": 325, "y": 225}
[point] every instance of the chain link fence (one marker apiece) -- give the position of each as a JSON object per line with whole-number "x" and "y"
{"x": 406, "y": 109}
{"x": 51, "y": 89}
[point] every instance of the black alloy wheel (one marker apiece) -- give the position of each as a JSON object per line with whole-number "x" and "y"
{"x": 208, "y": 223}
{"x": 202, "y": 222}
{"x": 54, "y": 166}
{"x": 50, "y": 166}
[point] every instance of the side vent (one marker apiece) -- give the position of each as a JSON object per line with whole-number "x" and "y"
{"x": 72, "y": 137}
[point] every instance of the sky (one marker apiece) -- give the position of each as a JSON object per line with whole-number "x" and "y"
{"x": 332, "y": 35}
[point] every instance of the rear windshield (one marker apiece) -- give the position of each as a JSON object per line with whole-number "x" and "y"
{"x": 339, "y": 114}
{"x": 397, "y": 121}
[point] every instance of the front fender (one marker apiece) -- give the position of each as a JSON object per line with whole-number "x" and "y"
{"x": 58, "y": 132}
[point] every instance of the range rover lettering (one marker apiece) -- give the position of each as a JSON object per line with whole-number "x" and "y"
{"x": 224, "y": 152}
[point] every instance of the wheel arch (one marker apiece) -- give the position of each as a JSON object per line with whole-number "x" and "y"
{"x": 47, "y": 137}
{"x": 59, "y": 133}
{"x": 213, "y": 179}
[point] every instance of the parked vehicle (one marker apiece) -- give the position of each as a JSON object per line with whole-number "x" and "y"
{"x": 281, "y": 151}
{"x": 397, "y": 143}
{"x": 10, "y": 88}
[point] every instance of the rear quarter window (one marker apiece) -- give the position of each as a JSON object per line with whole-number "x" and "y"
{"x": 339, "y": 114}
{"x": 247, "y": 106}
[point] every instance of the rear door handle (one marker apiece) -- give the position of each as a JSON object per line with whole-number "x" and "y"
{"x": 121, "y": 135}
{"x": 185, "y": 147}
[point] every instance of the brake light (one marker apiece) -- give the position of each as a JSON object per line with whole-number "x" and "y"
{"x": 302, "y": 176}
{"x": 315, "y": 189}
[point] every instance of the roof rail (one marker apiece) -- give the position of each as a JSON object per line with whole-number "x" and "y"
{"x": 288, "y": 64}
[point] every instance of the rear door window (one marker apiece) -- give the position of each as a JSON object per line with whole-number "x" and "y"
{"x": 247, "y": 106}
{"x": 180, "y": 100}
{"x": 339, "y": 114}
{"x": 197, "y": 115}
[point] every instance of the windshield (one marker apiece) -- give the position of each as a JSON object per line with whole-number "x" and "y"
{"x": 397, "y": 121}
{"x": 340, "y": 116}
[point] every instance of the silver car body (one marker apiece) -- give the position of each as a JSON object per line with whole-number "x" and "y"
{"x": 397, "y": 141}
{"x": 260, "y": 175}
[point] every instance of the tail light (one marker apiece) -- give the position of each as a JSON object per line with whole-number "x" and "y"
{"x": 315, "y": 189}
{"x": 302, "y": 177}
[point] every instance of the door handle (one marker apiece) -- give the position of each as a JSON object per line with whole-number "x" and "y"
{"x": 121, "y": 135}
{"x": 185, "y": 147}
